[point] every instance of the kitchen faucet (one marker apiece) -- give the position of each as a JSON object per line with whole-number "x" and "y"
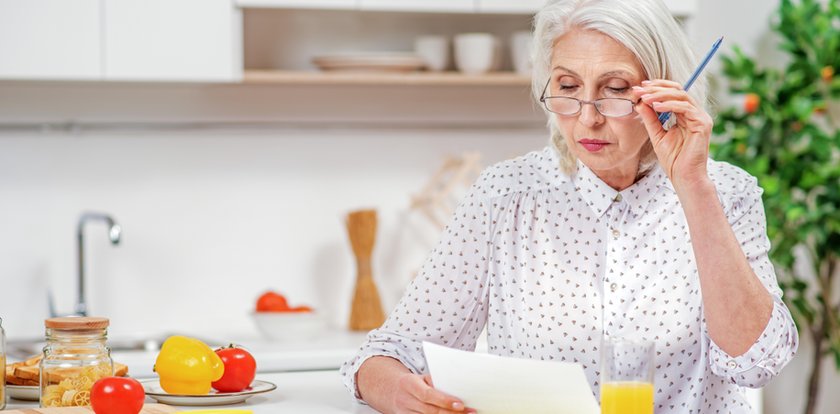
{"x": 114, "y": 233}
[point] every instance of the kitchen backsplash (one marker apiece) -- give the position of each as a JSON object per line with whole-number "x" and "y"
{"x": 212, "y": 219}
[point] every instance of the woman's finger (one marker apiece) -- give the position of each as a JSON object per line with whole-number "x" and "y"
{"x": 429, "y": 409}
{"x": 662, "y": 82}
{"x": 665, "y": 94}
{"x": 422, "y": 408}
{"x": 423, "y": 391}
{"x": 687, "y": 111}
{"x": 650, "y": 119}
{"x": 408, "y": 403}
{"x": 418, "y": 406}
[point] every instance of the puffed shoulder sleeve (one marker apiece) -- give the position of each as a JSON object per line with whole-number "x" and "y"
{"x": 447, "y": 301}
{"x": 778, "y": 343}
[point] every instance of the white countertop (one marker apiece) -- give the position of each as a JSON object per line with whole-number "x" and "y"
{"x": 310, "y": 392}
{"x": 305, "y": 372}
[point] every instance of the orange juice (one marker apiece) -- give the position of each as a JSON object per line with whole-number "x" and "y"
{"x": 627, "y": 397}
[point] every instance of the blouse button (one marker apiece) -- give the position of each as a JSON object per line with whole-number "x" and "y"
{"x": 616, "y": 233}
{"x": 731, "y": 364}
{"x": 613, "y": 287}
{"x": 617, "y": 198}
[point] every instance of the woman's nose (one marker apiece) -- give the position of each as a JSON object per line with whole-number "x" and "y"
{"x": 589, "y": 116}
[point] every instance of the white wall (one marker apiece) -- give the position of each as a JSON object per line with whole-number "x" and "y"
{"x": 210, "y": 220}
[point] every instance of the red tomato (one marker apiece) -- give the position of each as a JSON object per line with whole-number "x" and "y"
{"x": 272, "y": 302}
{"x": 240, "y": 369}
{"x": 117, "y": 395}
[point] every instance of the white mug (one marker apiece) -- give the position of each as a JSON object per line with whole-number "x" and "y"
{"x": 520, "y": 52}
{"x": 475, "y": 53}
{"x": 434, "y": 51}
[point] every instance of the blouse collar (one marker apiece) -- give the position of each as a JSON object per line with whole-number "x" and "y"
{"x": 600, "y": 196}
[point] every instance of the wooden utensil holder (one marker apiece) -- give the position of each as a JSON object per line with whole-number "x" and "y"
{"x": 366, "y": 310}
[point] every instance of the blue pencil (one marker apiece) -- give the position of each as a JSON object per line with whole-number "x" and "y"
{"x": 665, "y": 116}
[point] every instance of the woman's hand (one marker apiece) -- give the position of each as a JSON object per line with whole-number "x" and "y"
{"x": 388, "y": 386}
{"x": 416, "y": 394}
{"x": 683, "y": 149}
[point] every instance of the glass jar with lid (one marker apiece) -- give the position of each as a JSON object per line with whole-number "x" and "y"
{"x": 75, "y": 357}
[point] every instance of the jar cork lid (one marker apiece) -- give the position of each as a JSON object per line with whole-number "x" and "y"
{"x": 77, "y": 323}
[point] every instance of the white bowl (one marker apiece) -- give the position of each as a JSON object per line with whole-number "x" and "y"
{"x": 289, "y": 326}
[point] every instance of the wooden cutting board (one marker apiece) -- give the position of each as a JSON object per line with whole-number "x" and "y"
{"x": 147, "y": 409}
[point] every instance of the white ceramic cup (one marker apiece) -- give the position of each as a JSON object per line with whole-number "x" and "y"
{"x": 475, "y": 53}
{"x": 434, "y": 50}
{"x": 520, "y": 52}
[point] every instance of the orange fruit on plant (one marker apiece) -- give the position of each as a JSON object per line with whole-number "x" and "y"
{"x": 827, "y": 73}
{"x": 820, "y": 108}
{"x": 751, "y": 102}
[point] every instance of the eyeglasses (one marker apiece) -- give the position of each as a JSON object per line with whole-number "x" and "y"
{"x": 567, "y": 106}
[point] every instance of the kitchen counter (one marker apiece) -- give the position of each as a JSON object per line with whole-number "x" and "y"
{"x": 305, "y": 371}
{"x": 313, "y": 392}
{"x": 310, "y": 392}
{"x": 324, "y": 351}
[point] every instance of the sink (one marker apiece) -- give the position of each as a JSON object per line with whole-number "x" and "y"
{"x": 25, "y": 348}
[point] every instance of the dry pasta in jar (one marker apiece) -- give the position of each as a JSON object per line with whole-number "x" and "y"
{"x": 75, "y": 357}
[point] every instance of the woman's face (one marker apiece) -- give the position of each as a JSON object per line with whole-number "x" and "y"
{"x": 589, "y": 65}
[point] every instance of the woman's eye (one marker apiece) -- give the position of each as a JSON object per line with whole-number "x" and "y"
{"x": 567, "y": 87}
{"x": 618, "y": 90}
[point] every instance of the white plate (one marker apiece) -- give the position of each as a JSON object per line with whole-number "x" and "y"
{"x": 154, "y": 390}
{"x": 366, "y": 62}
{"x": 24, "y": 392}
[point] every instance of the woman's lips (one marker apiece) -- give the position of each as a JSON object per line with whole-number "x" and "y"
{"x": 593, "y": 145}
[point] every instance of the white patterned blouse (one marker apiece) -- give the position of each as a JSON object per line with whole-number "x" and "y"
{"x": 550, "y": 262}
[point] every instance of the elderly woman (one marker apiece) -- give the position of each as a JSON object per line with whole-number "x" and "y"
{"x": 621, "y": 228}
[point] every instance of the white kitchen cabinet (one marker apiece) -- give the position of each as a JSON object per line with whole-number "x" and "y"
{"x": 434, "y": 6}
{"x": 50, "y": 39}
{"x": 172, "y": 40}
{"x": 437, "y": 6}
{"x": 509, "y": 6}
{"x": 300, "y": 4}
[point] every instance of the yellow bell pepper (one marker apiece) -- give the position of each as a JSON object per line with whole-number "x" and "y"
{"x": 187, "y": 366}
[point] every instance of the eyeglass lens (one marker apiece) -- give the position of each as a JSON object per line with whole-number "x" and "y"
{"x": 612, "y": 107}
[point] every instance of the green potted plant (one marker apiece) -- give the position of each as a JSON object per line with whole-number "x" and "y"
{"x": 785, "y": 132}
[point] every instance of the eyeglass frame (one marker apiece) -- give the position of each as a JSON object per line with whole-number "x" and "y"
{"x": 582, "y": 102}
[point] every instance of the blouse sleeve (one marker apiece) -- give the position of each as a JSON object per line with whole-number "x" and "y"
{"x": 778, "y": 343}
{"x": 447, "y": 301}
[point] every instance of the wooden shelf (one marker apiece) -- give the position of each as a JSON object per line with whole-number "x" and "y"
{"x": 377, "y": 78}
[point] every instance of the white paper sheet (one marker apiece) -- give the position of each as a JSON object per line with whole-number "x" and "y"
{"x": 499, "y": 385}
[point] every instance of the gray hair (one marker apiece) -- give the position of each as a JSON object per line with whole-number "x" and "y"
{"x": 645, "y": 27}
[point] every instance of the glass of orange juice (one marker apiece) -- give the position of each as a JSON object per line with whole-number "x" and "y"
{"x": 627, "y": 376}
